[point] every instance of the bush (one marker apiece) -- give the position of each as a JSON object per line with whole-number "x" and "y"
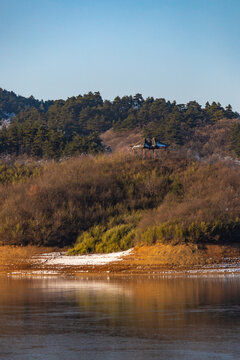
{"x": 203, "y": 232}
{"x": 73, "y": 196}
{"x": 101, "y": 200}
{"x": 102, "y": 240}
{"x": 203, "y": 206}
{"x": 17, "y": 172}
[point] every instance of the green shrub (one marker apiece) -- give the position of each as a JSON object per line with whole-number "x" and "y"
{"x": 86, "y": 242}
{"x": 209, "y": 232}
{"x": 116, "y": 239}
{"x": 102, "y": 240}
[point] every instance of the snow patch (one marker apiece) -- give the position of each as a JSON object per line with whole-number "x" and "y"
{"x": 35, "y": 272}
{"x": 59, "y": 258}
{"x": 222, "y": 268}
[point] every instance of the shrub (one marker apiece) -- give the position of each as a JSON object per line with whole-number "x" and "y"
{"x": 203, "y": 232}
{"x": 17, "y": 172}
{"x": 170, "y": 199}
{"x": 102, "y": 240}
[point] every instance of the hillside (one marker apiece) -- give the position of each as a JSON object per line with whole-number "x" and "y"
{"x": 102, "y": 203}
{"x": 111, "y": 203}
{"x": 60, "y": 128}
{"x": 10, "y": 103}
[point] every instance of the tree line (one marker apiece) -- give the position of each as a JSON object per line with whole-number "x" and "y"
{"x": 65, "y": 127}
{"x": 12, "y": 103}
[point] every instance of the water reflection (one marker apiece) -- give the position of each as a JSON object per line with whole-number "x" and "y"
{"x": 139, "y": 318}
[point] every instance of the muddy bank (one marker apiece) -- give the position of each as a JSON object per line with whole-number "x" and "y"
{"x": 156, "y": 260}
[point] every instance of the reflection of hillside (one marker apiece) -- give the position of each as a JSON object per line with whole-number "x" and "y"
{"x": 45, "y": 305}
{"x": 171, "y": 307}
{"x": 162, "y": 305}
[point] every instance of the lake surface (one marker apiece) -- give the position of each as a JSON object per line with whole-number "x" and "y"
{"x": 141, "y": 318}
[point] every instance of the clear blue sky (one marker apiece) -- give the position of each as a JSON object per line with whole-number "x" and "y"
{"x": 176, "y": 49}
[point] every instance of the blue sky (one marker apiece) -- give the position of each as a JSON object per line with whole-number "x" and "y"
{"x": 176, "y": 49}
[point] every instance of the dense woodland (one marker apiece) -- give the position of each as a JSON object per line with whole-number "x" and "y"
{"x": 54, "y": 129}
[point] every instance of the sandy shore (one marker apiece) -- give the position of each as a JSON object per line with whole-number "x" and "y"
{"x": 158, "y": 260}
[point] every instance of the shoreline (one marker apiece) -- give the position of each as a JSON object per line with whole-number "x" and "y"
{"x": 100, "y": 273}
{"x": 155, "y": 261}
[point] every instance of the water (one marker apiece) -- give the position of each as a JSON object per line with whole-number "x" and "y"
{"x": 168, "y": 318}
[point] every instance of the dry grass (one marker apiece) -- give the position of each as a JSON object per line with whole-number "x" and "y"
{"x": 202, "y": 195}
{"x": 168, "y": 255}
{"x": 211, "y": 141}
{"x": 13, "y": 258}
{"x": 182, "y": 255}
{"x": 121, "y": 141}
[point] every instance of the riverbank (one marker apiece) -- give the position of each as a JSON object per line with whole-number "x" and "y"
{"x": 146, "y": 260}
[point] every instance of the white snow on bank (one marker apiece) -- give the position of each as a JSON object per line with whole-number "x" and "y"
{"x": 59, "y": 258}
{"x": 222, "y": 268}
{"x": 33, "y": 272}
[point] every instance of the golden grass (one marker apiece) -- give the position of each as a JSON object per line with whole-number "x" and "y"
{"x": 121, "y": 141}
{"x": 164, "y": 255}
{"x": 183, "y": 255}
{"x": 18, "y": 258}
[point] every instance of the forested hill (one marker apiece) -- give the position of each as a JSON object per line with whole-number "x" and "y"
{"x": 12, "y": 103}
{"x": 67, "y": 127}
